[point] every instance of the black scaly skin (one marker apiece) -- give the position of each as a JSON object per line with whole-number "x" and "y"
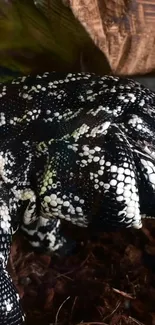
{"x": 74, "y": 147}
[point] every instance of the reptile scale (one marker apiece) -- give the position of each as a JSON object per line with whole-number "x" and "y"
{"x": 75, "y": 147}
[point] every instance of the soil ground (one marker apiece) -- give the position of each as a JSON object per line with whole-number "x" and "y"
{"x": 110, "y": 280}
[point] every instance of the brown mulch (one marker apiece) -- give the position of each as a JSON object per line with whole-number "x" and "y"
{"x": 109, "y": 281}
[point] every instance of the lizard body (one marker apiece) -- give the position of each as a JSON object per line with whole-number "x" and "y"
{"x": 75, "y": 147}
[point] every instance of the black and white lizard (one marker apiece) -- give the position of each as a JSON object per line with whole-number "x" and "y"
{"x": 75, "y": 147}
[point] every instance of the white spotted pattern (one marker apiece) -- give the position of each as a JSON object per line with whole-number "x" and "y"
{"x": 74, "y": 147}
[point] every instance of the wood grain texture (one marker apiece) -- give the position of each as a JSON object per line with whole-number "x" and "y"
{"x": 124, "y": 30}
